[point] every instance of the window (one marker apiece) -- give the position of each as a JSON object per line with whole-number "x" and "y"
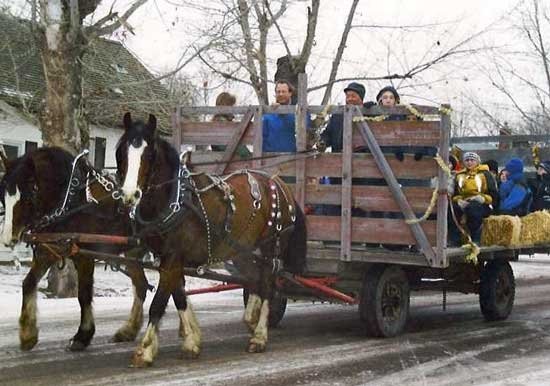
{"x": 119, "y": 68}
{"x": 100, "y": 145}
{"x": 12, "y": 152}
{"x": 30, "y": 146}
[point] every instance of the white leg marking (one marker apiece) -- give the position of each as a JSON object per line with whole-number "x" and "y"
{"x": 260, "y": 333}
{"x": 252, "y": 311}
{"x": 130, "y": 187}
{"x": 136, "y": 314}
{"x": 10, "y": 201}
{"x": 149, "y": 345}
{"x": 190, "y": 332}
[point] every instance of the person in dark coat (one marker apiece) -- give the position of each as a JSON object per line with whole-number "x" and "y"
{"x": 515, "y": 196}
{"x": 541, "y": 187}
{"x": 333, "y": 135}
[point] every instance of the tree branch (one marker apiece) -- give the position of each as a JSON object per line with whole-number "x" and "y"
{"x": 107, "y": 30}
{"x": 339, "y": 53}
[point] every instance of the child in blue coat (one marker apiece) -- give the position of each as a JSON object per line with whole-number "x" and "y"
{"x": 514, "y": 193}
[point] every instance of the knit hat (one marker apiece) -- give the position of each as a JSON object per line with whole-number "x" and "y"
{"x": 390, "y": 89}
{"x": 514, "y": 166}
{"x": 357, "y": 88}
{"x": 471, "y": 155}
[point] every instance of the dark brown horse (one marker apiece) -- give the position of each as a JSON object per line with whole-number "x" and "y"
{"x": 36, "y": 196}
{"x": 196, "y": 219}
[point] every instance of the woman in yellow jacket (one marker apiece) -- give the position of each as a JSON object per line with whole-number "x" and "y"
{"x": 475, "y": 195}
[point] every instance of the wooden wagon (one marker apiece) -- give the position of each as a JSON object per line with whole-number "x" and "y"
{"x": 369, "y": 253}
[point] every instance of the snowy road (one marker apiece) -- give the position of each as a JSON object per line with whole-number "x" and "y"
{"x": 316, "y": 344}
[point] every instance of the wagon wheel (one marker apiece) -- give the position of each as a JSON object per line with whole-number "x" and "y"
{"x": 277, "y": 307}
{"x": 385, "y": 298}
{"x": 497, "y": 290}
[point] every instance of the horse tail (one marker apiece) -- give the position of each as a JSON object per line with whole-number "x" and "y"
{"x": 294, "y": 258}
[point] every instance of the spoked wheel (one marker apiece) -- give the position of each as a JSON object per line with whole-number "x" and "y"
{"x": 277, "y": 307}
{"x": 497, "y": 290}
{"x": 385, "y": 299}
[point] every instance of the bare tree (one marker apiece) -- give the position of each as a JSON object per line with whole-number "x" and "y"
{"x": 520, "y": 71}
{"x": 58, "y": 27}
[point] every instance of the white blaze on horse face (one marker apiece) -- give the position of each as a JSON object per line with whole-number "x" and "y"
{"x": 130, "y": 186}
{"x": 10, "y": 201}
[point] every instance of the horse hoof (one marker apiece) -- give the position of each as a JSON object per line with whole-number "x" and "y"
{"x": 256, "y": 347}
{"x": 29, "y": 343}
{"x": 192, "y": 354}
{"x": 75, "y": 345}
{"x": 123, "y": 336}
{"x": 138, "y": 360}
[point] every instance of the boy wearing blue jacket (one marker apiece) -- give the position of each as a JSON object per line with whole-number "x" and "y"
{"x": 514, "y": 193}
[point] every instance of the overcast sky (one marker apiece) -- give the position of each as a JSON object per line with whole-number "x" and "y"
{"x": 164, "y": 30}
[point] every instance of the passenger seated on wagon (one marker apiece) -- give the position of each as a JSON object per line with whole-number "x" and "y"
{"x": 333, "y": 135}
{"x": 515, "y": 195}
{"x": 227, "y": 99}
{"x": 541, "y": 187}
{"x": 279, "y": 130}
{"x": 475, "y": 189}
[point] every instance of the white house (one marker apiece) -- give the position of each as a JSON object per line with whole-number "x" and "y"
{"x": 114, "y": 82}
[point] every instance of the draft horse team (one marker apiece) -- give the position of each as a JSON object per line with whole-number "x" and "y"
{"x": 185, "y": 219}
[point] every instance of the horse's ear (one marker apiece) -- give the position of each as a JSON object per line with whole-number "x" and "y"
{"x": 127, "y": 121}
{"x": 152, "y": 124}
{"x": 185, "y": 158}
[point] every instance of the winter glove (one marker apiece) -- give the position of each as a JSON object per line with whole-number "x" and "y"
{"x": 418, "y": 156}
{"x": 462, "y": 203}
{"x": 477, "y": 198}
{"x": 400, "y": 155}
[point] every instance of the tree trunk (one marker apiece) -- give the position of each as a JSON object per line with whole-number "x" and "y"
{"x": 62, "y": 119}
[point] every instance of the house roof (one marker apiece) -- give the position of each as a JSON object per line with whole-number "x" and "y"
{"x": 114, "y": 80}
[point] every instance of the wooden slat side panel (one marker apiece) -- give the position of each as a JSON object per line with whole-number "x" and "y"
{"x": 395, "y": 133}
{"x": 401, "y": 133}
{"x": 363, "y": 165}
{"x": 369, "y": 230}
{"x": 369, "y": 197}
{"x": 328, "y": 164}
{"x": 214, "y": 133}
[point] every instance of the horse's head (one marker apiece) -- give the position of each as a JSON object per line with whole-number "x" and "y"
{"x": 135, "y": 155}
{"x": 18, "y": 195}
{"x": 32, "y": 187}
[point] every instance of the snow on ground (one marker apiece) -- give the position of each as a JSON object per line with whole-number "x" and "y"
{"x": 112, "y": 290}
{"x": 109, "y": 285}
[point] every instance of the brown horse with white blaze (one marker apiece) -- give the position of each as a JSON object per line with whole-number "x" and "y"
{"x": 49, "y": 182}
{"x": 196, "y": 219}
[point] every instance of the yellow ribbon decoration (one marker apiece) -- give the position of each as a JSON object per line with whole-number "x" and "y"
{"x": 433, "y": 200}
{"x": 473, "y": 253}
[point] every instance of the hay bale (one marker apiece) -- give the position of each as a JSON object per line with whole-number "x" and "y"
{"x": 501, "y": 230}
{"x": 535, "y": 228}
